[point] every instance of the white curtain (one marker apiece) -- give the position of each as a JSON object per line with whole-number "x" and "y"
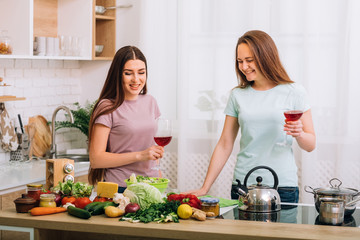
{"x": 318, "y": 41}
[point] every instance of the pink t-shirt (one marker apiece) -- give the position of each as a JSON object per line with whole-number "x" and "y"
{"x": 133, "y": 128}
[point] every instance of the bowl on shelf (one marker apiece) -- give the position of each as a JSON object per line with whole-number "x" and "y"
{"x": 161, "y": 185}
{"x": 98, "y": 49}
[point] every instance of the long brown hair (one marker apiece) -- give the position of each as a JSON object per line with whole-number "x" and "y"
{"x": 113, "y": 90}
{"x": 266, "y": 58}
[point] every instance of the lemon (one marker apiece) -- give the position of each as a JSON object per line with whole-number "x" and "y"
{"x": 184, "y": 211}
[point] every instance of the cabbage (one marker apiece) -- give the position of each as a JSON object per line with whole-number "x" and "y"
{"x": 143, "y": 194}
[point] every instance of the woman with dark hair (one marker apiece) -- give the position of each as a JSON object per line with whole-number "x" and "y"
{"x": 123, "y": 123}
{"x": 256, "y": 106}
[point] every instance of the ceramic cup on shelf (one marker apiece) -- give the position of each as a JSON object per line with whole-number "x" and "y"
{"x": 50, "y": 46}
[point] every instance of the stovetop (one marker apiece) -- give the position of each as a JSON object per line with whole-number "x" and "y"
{"x": 292, "y": 213}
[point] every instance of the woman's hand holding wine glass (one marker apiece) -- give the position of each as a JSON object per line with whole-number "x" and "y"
{"x": 293, "y": 110}
{"x": 163, "y": 135}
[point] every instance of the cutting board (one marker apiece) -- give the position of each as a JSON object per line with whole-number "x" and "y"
{"x": 40, "y": 136}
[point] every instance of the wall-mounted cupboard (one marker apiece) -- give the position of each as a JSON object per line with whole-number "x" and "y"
{"x": 57, "y": 29}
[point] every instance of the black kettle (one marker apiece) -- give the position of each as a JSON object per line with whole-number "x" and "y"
{"x": 259, "y": 197}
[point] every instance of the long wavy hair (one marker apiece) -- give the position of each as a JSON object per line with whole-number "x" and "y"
{"x": 266, "y": 58}
{"x": 113, "y": 90}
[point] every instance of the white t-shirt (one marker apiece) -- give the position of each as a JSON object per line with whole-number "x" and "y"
{"x": 261, "y": 118}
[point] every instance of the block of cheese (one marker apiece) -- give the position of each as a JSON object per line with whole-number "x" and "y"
{"x": 107, "y": 189}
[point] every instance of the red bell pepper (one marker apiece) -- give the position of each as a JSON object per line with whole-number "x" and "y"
{"x": 189, "y": 199}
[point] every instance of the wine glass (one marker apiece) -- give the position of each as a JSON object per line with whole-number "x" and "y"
{"x": 162, "y": 136}
{"x": 293, "y": 109}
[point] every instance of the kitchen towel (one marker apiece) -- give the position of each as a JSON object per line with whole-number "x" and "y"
{"x": 223, "y": 202}
{"x": 8, "y": 137}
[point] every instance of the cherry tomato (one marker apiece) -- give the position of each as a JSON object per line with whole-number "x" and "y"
{"x": 81, "y": 202}
{"x": 68, "y": 199}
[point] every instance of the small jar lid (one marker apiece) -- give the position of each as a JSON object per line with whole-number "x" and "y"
{"x": 24, "y": 199}
{"x": 33, "y": 185}
{"x": 209, "y": 200}
{"x": 49, "y": 196}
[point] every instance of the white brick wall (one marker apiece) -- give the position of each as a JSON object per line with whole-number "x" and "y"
{"x": 45, "y": 84}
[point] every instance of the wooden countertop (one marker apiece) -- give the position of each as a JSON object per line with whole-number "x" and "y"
{"x": 187, "y": 229}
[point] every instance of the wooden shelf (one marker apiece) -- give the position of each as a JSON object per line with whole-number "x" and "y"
{"x": 102, "y": 17}
{"x": 10, "y": 98}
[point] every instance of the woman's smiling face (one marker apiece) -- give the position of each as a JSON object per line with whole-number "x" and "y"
{"x": 246, "y": 63}
{"x": 134, "y": 78}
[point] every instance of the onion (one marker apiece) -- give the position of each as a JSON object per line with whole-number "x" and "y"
{"x": 57, "y": 199}
{"x": 132, "y": 207}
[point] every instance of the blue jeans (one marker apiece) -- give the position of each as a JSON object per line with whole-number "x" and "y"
{"x": 288, "y": 195}
{"x": 121, "y": 189}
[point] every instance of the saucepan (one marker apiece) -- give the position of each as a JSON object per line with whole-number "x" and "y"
{"x": 332, "y": 210}
{"x": 335, "y": 192}
{"x": 101, "y": 9}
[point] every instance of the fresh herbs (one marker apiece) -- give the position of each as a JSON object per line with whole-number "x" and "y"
{"x": 69, "y": 188}
{"x": 156, "y": 212}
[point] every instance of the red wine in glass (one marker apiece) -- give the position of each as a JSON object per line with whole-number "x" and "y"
{"x": 293, "y": 115}
{"x": 290, "y": 115}
{"x": 162, "y": 136}
{"x": 162, "y": 141}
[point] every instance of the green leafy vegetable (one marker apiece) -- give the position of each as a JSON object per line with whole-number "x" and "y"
{"x": 145, "y": 179}
{"x": 69, "y": 188}
{"x": 156, "y": 212}
{"x": 143, "y": 194}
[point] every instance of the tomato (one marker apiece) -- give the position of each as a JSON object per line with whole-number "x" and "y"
{"x": 101, "y": 199}
{"x": 68, "y": 199}
{"x": 81, "y": 202}
{"x": 44, "y": 191}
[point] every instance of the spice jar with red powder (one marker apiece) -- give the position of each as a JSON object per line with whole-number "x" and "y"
{"x": 34, "y": 191}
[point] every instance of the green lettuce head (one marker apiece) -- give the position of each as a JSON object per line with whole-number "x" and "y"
{"x": 143, "y": 194}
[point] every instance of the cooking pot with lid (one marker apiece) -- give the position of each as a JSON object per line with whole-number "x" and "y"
{"x": 259, "y": 197}
{"x": 335, "y": 192}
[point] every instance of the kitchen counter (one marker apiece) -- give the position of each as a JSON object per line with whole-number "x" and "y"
{"x": 64, "y": 226}
{"x": 15, "y": 175}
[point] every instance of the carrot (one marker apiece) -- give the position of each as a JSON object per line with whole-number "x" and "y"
{"x": 38, "y": 211}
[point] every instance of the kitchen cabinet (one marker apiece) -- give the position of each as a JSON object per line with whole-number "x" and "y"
{"x": 104, "y": 30}
{"x": 25, "y": 20}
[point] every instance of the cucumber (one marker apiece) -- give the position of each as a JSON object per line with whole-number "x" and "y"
{"x": 78, "y": 212}
{"x": 100, "y": 209}
{"x": 90, "y": 207}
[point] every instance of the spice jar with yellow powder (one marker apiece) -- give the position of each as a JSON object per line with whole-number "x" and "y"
{"x": 47, "y": 200}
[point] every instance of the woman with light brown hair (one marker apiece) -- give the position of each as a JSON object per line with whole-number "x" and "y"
{"x": 123, "y": 123}
{"x": 256, "y": 107}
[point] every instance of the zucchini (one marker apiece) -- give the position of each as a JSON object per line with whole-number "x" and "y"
{"x": 90, "y": 207}
{"x": 100, "y": 209}
{"x": 78, "y": 212}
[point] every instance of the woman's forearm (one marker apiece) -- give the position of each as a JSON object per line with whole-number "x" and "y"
{"x": 217, "y": 163}
{"x": 307, "y": 141}
{"x": 109, "y": 160}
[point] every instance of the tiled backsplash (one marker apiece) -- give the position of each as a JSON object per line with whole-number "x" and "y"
{"x": 46, "y": 84}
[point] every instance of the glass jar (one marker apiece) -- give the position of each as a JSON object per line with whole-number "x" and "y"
{"x": 5, "y": 43}
{"x": 34, "y": 190}
{"x": 210, "y": 205}
{"x": 47, "y": 200}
